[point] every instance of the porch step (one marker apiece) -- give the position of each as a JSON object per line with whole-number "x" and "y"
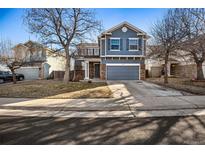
{"x": 92, "y": 80}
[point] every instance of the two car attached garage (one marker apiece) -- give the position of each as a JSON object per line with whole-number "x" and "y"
{"x": 123, "y": 71}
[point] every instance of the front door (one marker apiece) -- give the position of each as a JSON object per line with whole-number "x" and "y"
{"x": 97, "y": 70}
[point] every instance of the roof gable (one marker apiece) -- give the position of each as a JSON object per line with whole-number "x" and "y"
{"x": 19, "y": 45}
{"x": 128, "y": 25}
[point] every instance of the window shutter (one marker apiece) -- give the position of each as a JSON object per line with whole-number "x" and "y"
{"x": 121, "y": 44}
{"x": 140, "y": 44}
{"x": 108, "y": 44}
{"x": 144, "y": 47}
{"x": 127, "y": 44}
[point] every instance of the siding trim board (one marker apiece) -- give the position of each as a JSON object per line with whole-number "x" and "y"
{"x": 123, "y": 56}
{"x": 122, "y": 64}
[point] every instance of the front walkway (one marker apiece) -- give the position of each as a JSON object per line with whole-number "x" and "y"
{"x": 131, "y": 99}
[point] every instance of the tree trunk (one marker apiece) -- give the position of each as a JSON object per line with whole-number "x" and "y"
{"x": 14, "y": 76}
{"x": 165, "y": 68}
{"x": 74, "y": 75}
{"x": 67, "y": 67}
{"x": 200, "y": 75}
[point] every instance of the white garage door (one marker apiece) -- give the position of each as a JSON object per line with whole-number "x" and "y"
{"x": 30, "y": 73}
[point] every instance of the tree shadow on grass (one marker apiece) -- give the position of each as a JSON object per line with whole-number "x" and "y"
{"x": 54, "y": 89}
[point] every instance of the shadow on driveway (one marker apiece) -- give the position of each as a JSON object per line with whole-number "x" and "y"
{"x": 36, "y": 130}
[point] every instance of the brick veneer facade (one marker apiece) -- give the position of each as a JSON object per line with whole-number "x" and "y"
{"x": 187, "y": 71}
{"x": 79, "y": 75}
{"x": 102, "y": 71}
{"x": 91, "y": 70}
{"x": 183, "y": 71}
{"x": 142, "y": 72}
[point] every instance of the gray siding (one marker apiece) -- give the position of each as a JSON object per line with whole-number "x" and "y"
{"x": 124, "y": 48}
{"x": 103, "y": 47}
{"x": 119, "y": 33}
{"x": 103, "y": 61}
{"x": 123, "y": 42}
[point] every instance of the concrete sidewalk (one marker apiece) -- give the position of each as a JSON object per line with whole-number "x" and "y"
{"x": 64, "y": 107}
{"x": 90, "y": 108}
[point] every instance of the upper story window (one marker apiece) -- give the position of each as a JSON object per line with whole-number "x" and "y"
{"x": 82, "y": 52}
{"x": 133, "y": 44}
{"x": 90, "y": 51}
{"x": 96, "y": 52}
{"x": 115, "y": 44}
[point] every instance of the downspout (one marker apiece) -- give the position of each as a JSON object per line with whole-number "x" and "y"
{"x": 105, "y": 46}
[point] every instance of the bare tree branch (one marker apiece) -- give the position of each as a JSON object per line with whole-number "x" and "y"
{"x": 62, "y": 27}
{"x": 167, "y": 33}
{"x": 7, "y": 57}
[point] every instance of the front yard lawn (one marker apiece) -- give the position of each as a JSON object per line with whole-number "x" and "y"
{"x": 55, "y": 89}
{"x": 183, "y": 84}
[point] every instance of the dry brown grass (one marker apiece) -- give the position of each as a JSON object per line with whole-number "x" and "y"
{"x": 55, "y": 89}
{"x": 183, "y": 84}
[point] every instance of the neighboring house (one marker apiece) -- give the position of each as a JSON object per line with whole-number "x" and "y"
{"x": 40, "y": 61}
{"x": 121, "y": 57}
{"x": 178, "y": 66}
{"x": 3, "y": 68}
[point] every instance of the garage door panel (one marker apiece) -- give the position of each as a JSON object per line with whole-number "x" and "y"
{"x": 30, "y": 73}
{"x": 123, "y": 72}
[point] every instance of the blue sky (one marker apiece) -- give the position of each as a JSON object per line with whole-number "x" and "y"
{"x": 11, "y": 24}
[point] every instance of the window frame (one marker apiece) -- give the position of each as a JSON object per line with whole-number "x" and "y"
{"x": 114, "y": 38}
{"x": 90, "y": 50}
{"x": 96, "y": 50}
{"x": 137, "y": 39}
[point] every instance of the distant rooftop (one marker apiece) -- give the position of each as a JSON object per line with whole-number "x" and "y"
{"x": 88, "y": 44}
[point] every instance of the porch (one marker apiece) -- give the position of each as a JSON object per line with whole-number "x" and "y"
{"x": 92, "y": 69}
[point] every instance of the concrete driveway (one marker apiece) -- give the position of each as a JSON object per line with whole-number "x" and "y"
{"x": 144, "y": 96}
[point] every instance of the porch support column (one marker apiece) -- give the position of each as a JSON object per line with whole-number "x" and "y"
{"x": 86, "y": 70}
{"x": 169, "y": 69}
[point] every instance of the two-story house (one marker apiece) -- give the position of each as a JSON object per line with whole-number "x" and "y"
{"x": 121, "y": 57}
{"x": 39, "y": 60}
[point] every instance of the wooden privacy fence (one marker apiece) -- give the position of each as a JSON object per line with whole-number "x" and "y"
{"x": 59, "y": 75}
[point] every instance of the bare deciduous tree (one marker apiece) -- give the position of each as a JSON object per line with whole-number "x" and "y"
{"x": 8, "y": 59}
{"x": 62, "y": 27}
{"x": 194, "y": 44}
{"x": 167, "y": 35}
